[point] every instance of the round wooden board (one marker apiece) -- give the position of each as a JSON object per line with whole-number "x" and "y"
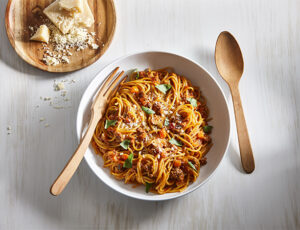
{"x": 19, "y": 17}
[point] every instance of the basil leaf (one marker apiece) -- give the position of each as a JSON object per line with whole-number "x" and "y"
{"x": 148, "y": 186}
{"x": 128, "y": 163}
{"x": 207, "y": 128}
{"x": 163, "y": 88}
{"x": 175, "y": 142}
{"x": 192, "y": 166}
{"x": 147, "y": 110}
{"x": 167, "y": 122}
{"x": 125, "y": 144}
{"x": 193, "y": 101}
{"x": 109, "y": 123}
{"x": 137, "y": 76}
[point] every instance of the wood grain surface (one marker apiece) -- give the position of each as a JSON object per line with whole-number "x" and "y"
{"x": 20, "y": 15}
{"x": 269, "y": 198}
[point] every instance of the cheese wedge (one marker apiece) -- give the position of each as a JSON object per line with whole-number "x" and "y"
{"x": 61, "y": 18}
{"x": 86, "y": 17}
{"x": 73, "y": 6}
{"x": 42, "y": 34}
{"x": 64, "y": 19}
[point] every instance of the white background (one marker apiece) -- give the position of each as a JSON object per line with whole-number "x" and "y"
{"x": 32, "y": 155}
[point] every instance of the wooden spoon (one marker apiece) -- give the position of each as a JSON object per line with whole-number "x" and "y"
{"x": 98, "y": 107}
{"x": 230, "y": 64}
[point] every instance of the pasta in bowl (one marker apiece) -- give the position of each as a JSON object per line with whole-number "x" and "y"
{"x": 156, "y": 134}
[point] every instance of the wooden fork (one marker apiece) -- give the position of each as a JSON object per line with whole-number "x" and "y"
{"x": 106, "y": 91}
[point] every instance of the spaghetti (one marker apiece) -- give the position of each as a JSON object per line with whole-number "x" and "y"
{"x": 155, "y": 132}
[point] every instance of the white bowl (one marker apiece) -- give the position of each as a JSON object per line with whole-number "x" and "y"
{"x": 216, "y": 102}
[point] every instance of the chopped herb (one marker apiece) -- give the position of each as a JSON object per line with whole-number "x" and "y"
{"x": 109, "y": 123}
{"x": 175, "y": 142}
{"x": 147, "y": 110}
{"x": 136, "y": 71}
{"x": 193, "y": 101}
{"x": 207, "y": 128}
{"x": 128, "y": 162}
{"x": 167, "y": 122}
{"x": 125, "y": 144}
{"x": 192, "y": 166}
{"x": 148, "y": 186}
{"x": 163, "y": 88}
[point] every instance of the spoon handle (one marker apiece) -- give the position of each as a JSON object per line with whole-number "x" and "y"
{"x": 244, "y": 141}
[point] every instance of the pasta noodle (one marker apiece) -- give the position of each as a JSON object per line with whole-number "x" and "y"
{"x": 155, "y": 132}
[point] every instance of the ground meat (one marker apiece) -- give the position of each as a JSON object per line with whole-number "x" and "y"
{"x": 113, "y": 115}
{"x": 154, "y": 148}
{"x": 141, "y": 134}
{"x": 205, "y": 138}
{"x": 127, "y": 118}
{"x": 203, "y": 161}
{"x": 203, "y": 111}
{"x": 146, "y": 169}
{"x": 143, "y": 99}
{"x": 176, "y": 174}
{"x": 157, "y": 108}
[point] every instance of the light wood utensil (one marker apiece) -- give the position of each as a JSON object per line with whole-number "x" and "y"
{"x": 230, "y": 64}
{"x": 106, "y": 91}
{"x": 20, "y": 14}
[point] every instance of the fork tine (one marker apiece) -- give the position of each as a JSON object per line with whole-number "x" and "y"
{"x": 103, "y": 86}
{"x": 113, "y": 84}
{"x": 112, "y": 92}
{"x": 111, "y": 76}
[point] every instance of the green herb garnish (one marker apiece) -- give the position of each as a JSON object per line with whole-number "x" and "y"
{"x": 175, "y": 142}
{"x": 136, "y": 71}
{"x": 167, "y": 122}
{"x": 207, "y": 128}
{"x": 148, "y": 186}
{"x": 193, "y": 101}
{"x": 109, "y": 123}
{"x": 192, "y": 166}
{"x": 147, "y": 110}
{"x": 163, "y": 88}
{"x": 125, "y": 144}
{"x": 128, "y": 163}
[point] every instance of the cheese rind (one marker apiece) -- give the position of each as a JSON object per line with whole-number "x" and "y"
{"x": 73, "y": 6}
{"x": 42, "y": 34}
{"x": 59, "y": 17}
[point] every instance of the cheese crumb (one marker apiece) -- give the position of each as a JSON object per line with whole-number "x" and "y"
{"x": 42, "y": 118}
{"x": 51, "y": 60}
{"x": 59, "y": 86}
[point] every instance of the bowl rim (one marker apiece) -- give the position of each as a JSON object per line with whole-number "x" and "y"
{"x": 79, "y": 133}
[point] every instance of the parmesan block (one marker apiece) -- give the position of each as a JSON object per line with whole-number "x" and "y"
{"x": 73, "y": 6}
{"x": 59, "y": 14}
{"x": 86, "y": 17}
{"x": 59, "y": 17}
{"x": 42, "y": 34}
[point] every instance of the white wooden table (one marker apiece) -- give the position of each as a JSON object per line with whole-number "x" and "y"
{"x": 32, "y": 155}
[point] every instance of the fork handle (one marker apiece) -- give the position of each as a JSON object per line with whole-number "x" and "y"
{"x": 66, "y": 174}
{"x": 243, "y": 136}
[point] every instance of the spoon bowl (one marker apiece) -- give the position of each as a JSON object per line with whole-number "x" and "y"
{"x": 229, "y": 58}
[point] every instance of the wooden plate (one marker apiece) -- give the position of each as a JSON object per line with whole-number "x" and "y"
{"x": 19, "y": 16}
